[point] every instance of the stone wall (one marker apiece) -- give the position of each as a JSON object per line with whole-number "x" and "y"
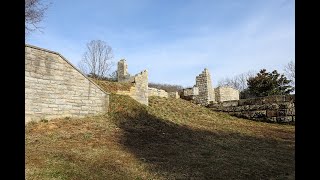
{"x": 54, "y": 88}
{"x": 194, "y": 91}
{"x": 157, "y": 92}
{"x": 279, "y": 109}
{"x": 206, "y": 92}
{"x": 226, "y": 94}
{"x": 139, "y": 90}
{"x": 203, "y": 93}
{"x": 141, "y": 85}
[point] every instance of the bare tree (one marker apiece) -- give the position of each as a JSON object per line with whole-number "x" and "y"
{"x": 34, "y": 13}
{"x": 289, "y": 70}
{"x": 97, "y": 60}
{"x": 238, "y": 82}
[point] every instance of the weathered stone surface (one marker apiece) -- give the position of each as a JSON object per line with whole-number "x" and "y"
{"x": 282, "y": 112}
{"x": 157, "y": 92}
{"x": 284, "y": 119}
{"x": 206, "y": 92}
{"x": 272, "y": 119}
{"x": 272, "y": 113}
{"x": 139, "y": 90}
{"x": 259, "y": 114}
{"x": 271, "y": 109}
{"x": 286, "y": 105}
{"x": 230, "y": 103}
{"x": 122, "y": 71}
{"x": 194, "y": 91}
{"x": 203, "y": 92}
{"x": 55, "y": 88}
{"x": 226, "y": 94}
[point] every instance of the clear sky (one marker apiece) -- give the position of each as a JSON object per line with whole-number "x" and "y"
{"x": 175, "y": 39}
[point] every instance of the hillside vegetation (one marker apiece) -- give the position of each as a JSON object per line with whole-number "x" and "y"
{"x": 169, "y": 139}
{"x": 113, "y": 87}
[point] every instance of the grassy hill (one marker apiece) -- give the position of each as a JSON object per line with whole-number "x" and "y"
{"x": 169, "y": 139}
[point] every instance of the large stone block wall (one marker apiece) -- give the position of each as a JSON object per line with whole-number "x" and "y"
{"x": 157, "y": 92}
{"x": 139, "y": 90}
{"x": 55, "y": 88}
{"x": 141, "y": 85}
{"x": 278, "y": 109}
{"x": 206, "y": 92}
{"x": 226, "y": 94}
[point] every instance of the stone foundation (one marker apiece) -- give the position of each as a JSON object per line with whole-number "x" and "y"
{"x": 277, "y": 109}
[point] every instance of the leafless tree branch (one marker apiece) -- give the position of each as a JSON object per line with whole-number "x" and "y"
{"x": 289, "y": 70}
{"x": 34, "y": 13}
{"x": 97, "y": 60}
{"x": 238, "y": 82}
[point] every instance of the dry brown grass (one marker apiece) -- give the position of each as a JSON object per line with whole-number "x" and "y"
{"x": 170, "y": 139}
{"x": 113, "y": 87}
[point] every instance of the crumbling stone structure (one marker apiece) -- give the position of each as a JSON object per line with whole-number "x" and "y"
{"x": 122, "y": 71}
{"x": 203, "y": 93}
{"x": 54, "y": 88}
{"x": 140, "y": 90}
{"x": 206, "y": 93}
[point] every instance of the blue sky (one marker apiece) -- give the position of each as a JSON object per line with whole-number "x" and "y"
{"x": 176, "y": 39}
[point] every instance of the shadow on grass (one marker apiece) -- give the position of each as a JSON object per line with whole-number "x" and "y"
{"x": 179, "y": 152}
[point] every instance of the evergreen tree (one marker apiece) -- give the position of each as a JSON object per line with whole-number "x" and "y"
{"x": 266, "y": 83}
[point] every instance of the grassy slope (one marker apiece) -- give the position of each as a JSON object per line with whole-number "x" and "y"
{"x": 113, "y": 87}
{"x": 170, "y": 139}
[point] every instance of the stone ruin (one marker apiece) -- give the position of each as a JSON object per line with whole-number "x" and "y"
{"x": 275, "y": 109}
{"x": 204, "y": 84}
{"x": 50, "y": 93}
{"x": 140, "y": 91}
{"x": 122, "y": 72}
{"x": 203, "y": 93}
